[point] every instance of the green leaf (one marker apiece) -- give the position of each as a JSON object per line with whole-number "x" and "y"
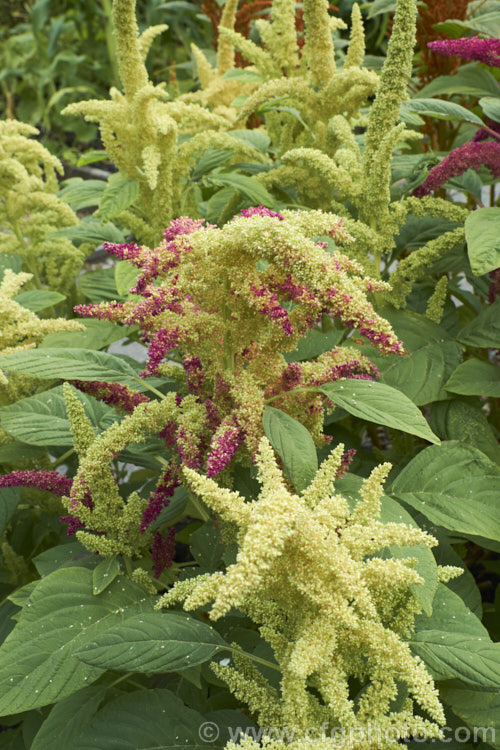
{"x": 14, "y": 262}
{"x": 487, "y": 24}
{"x": 454, "y": 644}
{"x": 432, "y": 356}
{"x": 12, "y": 739}
{"x": 206, "y": 546}
{"x": 90, "y": 157}
{"x": 39, "y": 299}
{"x": 478, "y": 708}
{"x": 126, "y": 276}
{"x": 69, "y": 718}
{"x": 441, "y": 109}
{"x": 454, "y": 485}
{"x": 255, "y": 138}
{"x": 104, "y": 574}
{"x": 484, "y": 329}
{"x": 153, "y": 642}
{"x": 119, "y": 195}
{"x": 99, "y": 285}
{"x": 315, "y": 342}
{"x": 174, "y": 509}
{"x": 392, "y": 512}
{"x": 65, "y": 555}
{"x": 98, "y": 334}
{"x": 377, "y": 7}
{"x": 241, "y": 74}
{"x": 464, "y": 585}
{"x": 379, "y": 403}
{"x": 40, "y": 14}
{"x": 251, "y": 188}
{"x": 8, "y": 610}
{"x": 457, "y": 419}
{"x": 239, "y": 100}
{"x": 294, "y": 444}
{"x": 210, "y": 160}
{"x": 9, "y": 499}
{"x": 469, "y": 80}
{"x": 62, "y": 616}
{"x": 468, "y": 182}
{"x": 80, "y": 193}
{"x": 15, "y": 451}
{"x": 475, "y": 377}
{"x": 91, "y": 230}
{"x": 482, "y": 233}
{"x": 144, "y": 720}
{"x": 42, "y": 419}
{"x": 217, "y": 203}
{"x": 491, "y": 107}
{"x": 20, "y": 597}
{"x": 71, "y": 364}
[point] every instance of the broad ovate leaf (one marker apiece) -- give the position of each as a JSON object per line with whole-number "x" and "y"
{"x": 431, "y": 357}
{"x": 482, "y": 233}
{"x": 484, "y": 329}
{"x": 478, "y": 707}
{"x": 294, "y": 444}
{"x": 454, "y": 485}
{"x": 39, "y": 299}
{"x": 454, "y": 644}
{"x": 71, "y": 364}
{"x": 9, "y": 499}
{"x": 474, "y": 377}
{"x": 441, "y": 109}
{"x": 119, "y": 194}
{"x": 379, "y": 403}
{"x": 104, "y": 574}
{"x": 37, "y": 662}
{"x": 69, "y": 718}
{"x": 41, "y": 420}
{"x": 153, "y": 642}
{"x": 153, "y": 719}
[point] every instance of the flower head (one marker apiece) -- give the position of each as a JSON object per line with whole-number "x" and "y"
{"x": 308, "y": 574}
{"x": 486, "y": 51}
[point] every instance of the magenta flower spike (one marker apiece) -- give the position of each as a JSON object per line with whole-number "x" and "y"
{"x": 49, "y": 481}
{"x": 486, "y": 51}
{"x": 472, "y": 155}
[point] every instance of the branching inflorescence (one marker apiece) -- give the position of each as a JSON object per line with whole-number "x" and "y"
{"x": 230, "y": 301}
{"x": 311, "y": 573}
{"x": 140, "y": 130}
{"x": 21, "y": 328}
{"x": 31, "y": 212}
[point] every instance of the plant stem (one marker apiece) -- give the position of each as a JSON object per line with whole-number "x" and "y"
{"x": 63, "y": 458}
{"x": 150, "y": 387}
{"x": 257, "y": 659}
{"x": 29, "y": 262}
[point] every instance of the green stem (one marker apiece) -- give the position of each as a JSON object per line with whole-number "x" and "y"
{"x": 150, "y": 387}
{"x": 120, "y": 679}
{"x": 257, "y": 659}
{"x": 63, "y": 458}
{"x": 29, "y": 262}
{"x": 111, "y": 42}
{"x": 205, "y": 515}
{"x": 228, "y": 353}
{"x": 161, "y": 460}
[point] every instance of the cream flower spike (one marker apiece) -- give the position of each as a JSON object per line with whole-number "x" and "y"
{"x": 325, "y": 596}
